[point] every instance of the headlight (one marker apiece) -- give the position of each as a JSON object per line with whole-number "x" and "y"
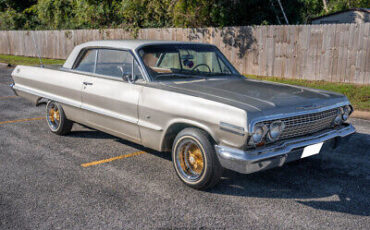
{"x": 346, "y": 112}
{"x": 339, "y": 119}
{"x": 258, "y": 134}
{"x": 276, "y": 128}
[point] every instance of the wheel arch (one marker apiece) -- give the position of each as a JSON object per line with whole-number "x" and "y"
{"x": 176, "y": 126}
{"x": 41, "y": 101}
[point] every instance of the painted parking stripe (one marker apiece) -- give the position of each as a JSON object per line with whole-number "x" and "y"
{"x": 22, "y": 120}
{"x": 112, "y": 159}
{"x": 6, "y": 97}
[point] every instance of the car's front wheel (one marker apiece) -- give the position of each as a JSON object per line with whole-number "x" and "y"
{"x": 195, "y": 160}
{"x": 56, "y": 119}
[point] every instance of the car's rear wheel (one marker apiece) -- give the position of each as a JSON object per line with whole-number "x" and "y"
{"x": 56, "y": 119}
{"x": 195, "y": 160}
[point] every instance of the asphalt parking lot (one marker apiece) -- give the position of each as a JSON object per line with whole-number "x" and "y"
{"x": 91, "y": 180}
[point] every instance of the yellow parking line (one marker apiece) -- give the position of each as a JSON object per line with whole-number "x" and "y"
{"x": 112, "y": 159}
{"x": 21, "y": 120}
{"x": 8, "y": 97}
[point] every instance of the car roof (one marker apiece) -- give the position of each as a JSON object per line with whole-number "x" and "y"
{"x": 118, "y": 44}
{"x": 130, "y": 44}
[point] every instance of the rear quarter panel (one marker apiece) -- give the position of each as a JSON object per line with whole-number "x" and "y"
{"x": 34, "y": 83}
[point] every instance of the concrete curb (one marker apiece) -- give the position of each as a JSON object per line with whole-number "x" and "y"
{"x": 5, "y": 64}
{"x": 361, "y": 114}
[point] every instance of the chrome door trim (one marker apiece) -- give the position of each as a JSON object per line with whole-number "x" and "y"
{"x": 47, "y": 95}
{"x": 107, "y": 113}
{"x": 62, "y": 100}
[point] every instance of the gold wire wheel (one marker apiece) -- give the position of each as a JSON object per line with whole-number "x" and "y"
{"x": 53, "y": 116}
{"x": 191, "y": 160}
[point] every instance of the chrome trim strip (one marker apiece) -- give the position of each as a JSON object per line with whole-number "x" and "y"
{"x": 288, "y": 115}
{"x": 78, "y": 105}
{"x": 149, "y": 125}
{"x": 232, "y": 128}
{"x": 247, "y": 161}
{"x": 96, "y": 59}
{"x": 49, "y": 96}
{"x": 108, "y": 113}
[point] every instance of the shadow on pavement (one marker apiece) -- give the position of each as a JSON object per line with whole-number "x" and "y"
{"x": 337, "y": 182}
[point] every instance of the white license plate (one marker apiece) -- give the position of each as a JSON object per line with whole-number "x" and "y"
{"x": 312, "y": 150}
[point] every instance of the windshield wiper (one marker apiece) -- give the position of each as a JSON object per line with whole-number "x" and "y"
{"x": 178, "y": 75}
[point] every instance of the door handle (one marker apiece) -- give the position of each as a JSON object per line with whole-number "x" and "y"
{"x": 87, "y": 83}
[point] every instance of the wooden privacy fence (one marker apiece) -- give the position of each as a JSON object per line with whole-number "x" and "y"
{"x": 336, "y": 52}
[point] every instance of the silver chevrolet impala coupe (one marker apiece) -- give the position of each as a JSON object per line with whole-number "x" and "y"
{"x": 185, "y": 98}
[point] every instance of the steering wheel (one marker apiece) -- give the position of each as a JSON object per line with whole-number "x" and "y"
{"x": 202, "y": 64}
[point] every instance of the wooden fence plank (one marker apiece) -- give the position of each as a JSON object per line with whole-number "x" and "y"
{"x": 333, "y": 52}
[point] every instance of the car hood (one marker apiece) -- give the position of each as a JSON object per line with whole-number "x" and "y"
{"x": 257, "y": 96}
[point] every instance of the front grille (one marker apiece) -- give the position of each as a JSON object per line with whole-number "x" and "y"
{"x": 306, "y": 124}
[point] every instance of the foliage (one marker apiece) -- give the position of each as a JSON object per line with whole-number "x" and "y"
{"x": 134, "y": 14}
{"x": 11, "y": 20}
{"x": 54, "y": 14}
{"x": 95, "y": 14}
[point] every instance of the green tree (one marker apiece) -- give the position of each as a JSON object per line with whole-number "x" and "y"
{"x": 146, "y": 13}
{"x": 55, "y": 14}
{"x": 135, "y": 14}
{"x": 10, "y": 19}
{"x": 95, "y": 14}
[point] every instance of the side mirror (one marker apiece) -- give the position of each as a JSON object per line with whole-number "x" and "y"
{"x": 126, "y": 76}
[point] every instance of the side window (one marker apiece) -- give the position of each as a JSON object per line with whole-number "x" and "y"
{"x": 87, "y": 61}
{"x": 112, "y": 62}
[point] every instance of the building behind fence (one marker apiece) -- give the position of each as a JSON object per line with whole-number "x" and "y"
{"x": 336, "y": 53}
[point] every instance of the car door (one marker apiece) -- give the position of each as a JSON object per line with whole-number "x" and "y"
{"x": 111, "y": 103}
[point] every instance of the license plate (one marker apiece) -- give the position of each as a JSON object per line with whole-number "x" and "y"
{"x": 312, "y": 150}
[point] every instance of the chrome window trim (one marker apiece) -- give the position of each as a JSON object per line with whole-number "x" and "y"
{"x": 96, "y": 59}
{"x": 288, "y": 115}
{"x": 134, "y": 55}
{"x": 222, "y": 57}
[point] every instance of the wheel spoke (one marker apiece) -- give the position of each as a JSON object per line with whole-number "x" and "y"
{"x": 190, "y": 159}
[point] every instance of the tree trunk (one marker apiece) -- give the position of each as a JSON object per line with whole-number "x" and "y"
{"x": 324, "y": 2}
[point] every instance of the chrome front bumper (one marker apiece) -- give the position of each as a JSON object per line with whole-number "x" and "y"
{"x": 276, "y": 155}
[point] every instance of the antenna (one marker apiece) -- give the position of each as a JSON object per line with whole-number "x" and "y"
{"x": 282, "y": 15}
{"x": 282, "y": 10}
{"x": 37, "y": 49}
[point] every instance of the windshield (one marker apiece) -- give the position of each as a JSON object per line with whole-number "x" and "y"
{"x": 174, "y": 61}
